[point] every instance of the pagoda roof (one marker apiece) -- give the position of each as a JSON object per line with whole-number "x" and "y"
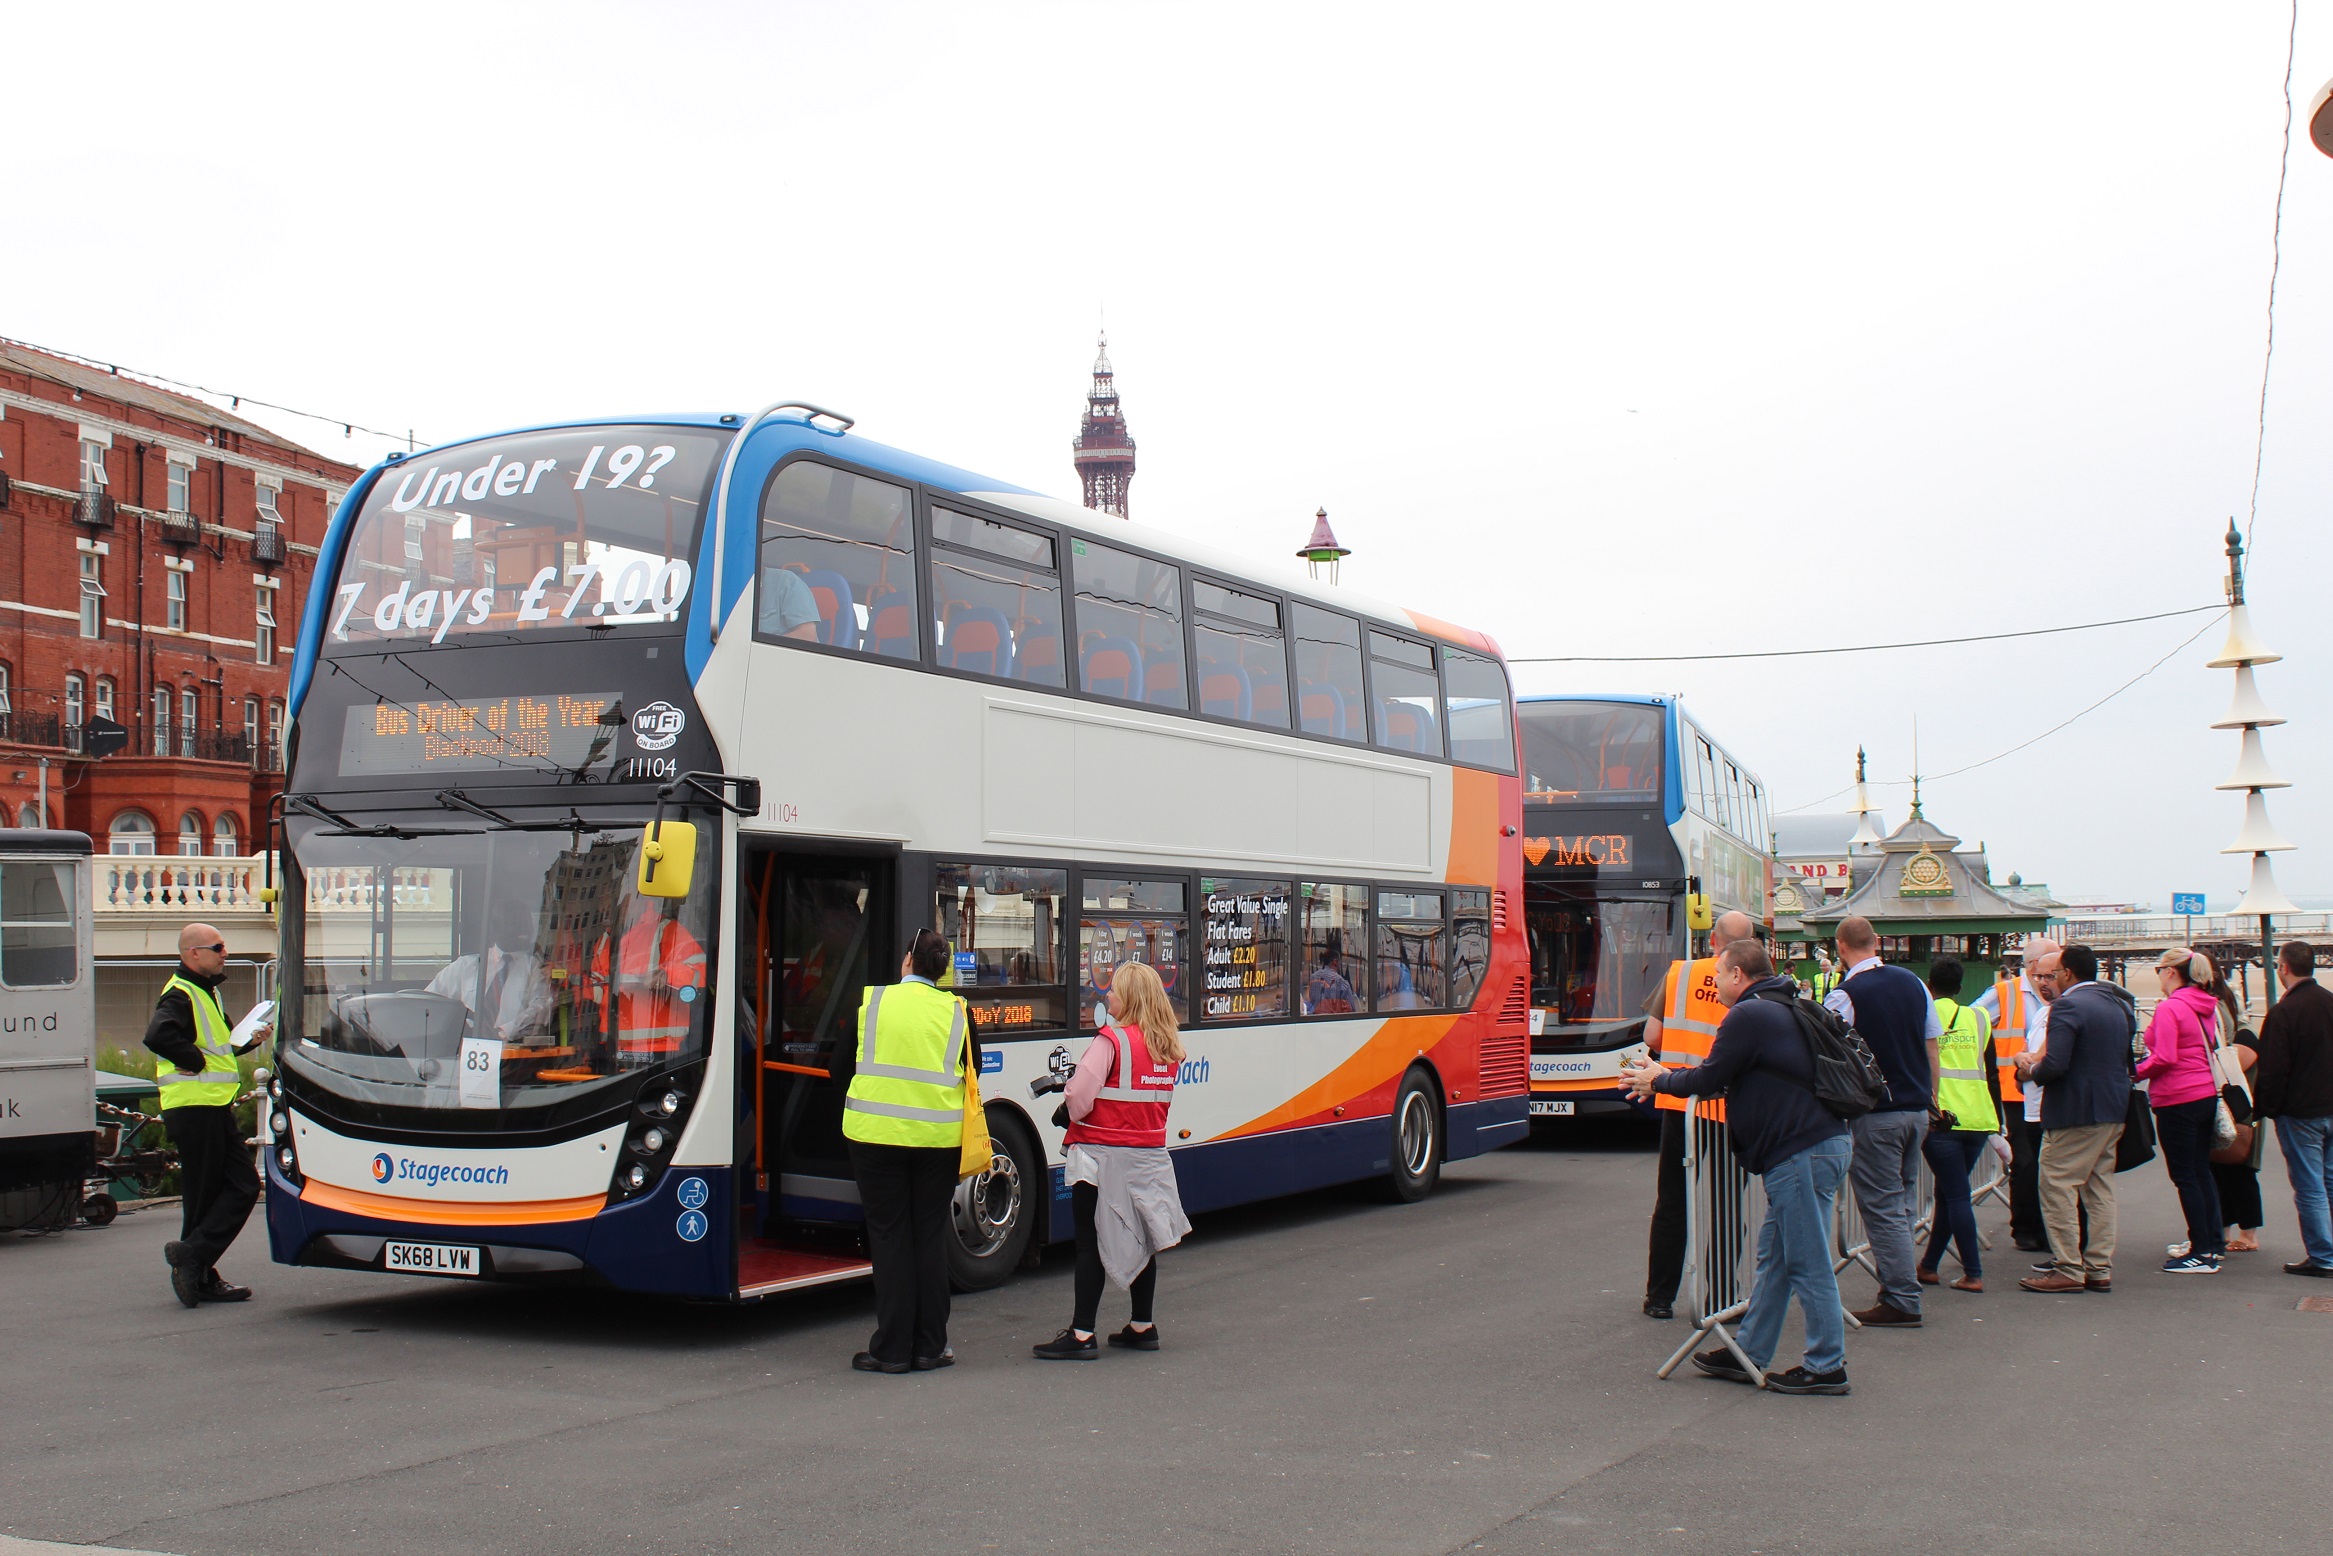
{"x": 1921, "y": 885}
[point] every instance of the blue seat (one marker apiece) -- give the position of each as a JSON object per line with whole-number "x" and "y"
{"x": 1112, "y": 667}
{"x": 980, "y": 640}
{"x": 838, "y": 616}
{"x": 1037, "y": 656}
{"x": 891, "y": 622}
{"x": 1226, "y": 691}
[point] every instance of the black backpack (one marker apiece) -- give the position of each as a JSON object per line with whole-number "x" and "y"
{"x": 1848, "y": 1080}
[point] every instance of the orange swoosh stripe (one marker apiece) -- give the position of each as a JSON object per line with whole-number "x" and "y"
{"x": 389, "y": 1207}
{"x": 1387, "y": 1053}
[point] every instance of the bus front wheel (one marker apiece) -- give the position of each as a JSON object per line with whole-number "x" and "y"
{"x": 1417, "y": 1140}
{"x": 994, "y": 1213}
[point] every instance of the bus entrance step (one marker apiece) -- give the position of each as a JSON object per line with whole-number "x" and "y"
{"x": 765, "y": 1267}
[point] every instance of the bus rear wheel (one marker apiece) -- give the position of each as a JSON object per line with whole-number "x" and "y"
{"x": 994, "y": 1213}
{"x": 1417, "y": 1140}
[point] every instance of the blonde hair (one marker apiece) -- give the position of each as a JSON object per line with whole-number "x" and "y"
{"x": 1147, "y": 1009}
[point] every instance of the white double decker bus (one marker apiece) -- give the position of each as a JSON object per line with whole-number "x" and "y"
{"x": 839, "y": 692}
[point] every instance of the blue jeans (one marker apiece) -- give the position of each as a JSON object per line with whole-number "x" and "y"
{"x": 2308, "y": 1161}
{"x": 1952, "y": 1156}
{"x": 1794, "y": 1255}
{"x": 1887, "y": 1191}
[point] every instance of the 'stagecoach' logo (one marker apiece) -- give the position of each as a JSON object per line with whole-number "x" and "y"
{"x": 657, "y": 726}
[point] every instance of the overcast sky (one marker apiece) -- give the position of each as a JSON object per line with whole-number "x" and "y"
{"x": 1607, "y": 329}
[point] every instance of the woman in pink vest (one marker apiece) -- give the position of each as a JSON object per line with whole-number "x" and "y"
{"x": 1121, "y": 1183}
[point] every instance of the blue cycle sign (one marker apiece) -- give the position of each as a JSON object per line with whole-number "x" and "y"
{"x": 2187, "y": 903}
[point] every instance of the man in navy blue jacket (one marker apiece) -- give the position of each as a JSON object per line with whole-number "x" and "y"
{"x": 2086, "y": 1077}
{"x": 1897, "y": 1017}
{"x": 1762, "y": 1064}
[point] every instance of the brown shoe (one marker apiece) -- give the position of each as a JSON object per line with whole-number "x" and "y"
{"x": 2098, "y": 1283}
{"x": 1884, "y": 1314}
{"x": 1928, "y": 1277}
{"x": 1968, "y": 1283}
{"x": 2054, "y": 1283}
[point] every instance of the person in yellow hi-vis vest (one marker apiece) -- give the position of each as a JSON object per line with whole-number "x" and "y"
{"x": 1683, "y": 1017}
{"x": 1963, "y": 1116}
{"x": 903, "y": 1120}
{"x": 194, "y": 1063}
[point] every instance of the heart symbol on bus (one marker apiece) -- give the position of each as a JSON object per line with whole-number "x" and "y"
{"x": 1536, "y": 848}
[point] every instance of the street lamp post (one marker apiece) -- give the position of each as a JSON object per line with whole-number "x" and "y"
{"x": 2253, "y": 775}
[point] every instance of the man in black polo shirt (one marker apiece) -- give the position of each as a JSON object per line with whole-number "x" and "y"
{"x": 1897, "y": 1017}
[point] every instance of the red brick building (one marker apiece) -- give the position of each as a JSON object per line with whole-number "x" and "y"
{"x": 154, "y": 554}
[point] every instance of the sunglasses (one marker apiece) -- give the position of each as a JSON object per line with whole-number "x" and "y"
{"x": 221, "y": 946}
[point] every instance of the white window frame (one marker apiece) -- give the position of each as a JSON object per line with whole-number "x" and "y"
{"x": 6, "y": 705}
{"x": 93, "y": 476}
{"x": 264, "y": 637}
{"x": 75, "y": 708}
{"x": 104, "y": 697}
{"x": 189, "y": 717}
{"x": 174, "y": 601}
{"x": 267, "y": 494}
{"x": 226, "y": 837}
{"x": 181, "y": 485}
{"x": 92, "y": 594}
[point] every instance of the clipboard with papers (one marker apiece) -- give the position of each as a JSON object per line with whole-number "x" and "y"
{"x": 253, "y": 1028}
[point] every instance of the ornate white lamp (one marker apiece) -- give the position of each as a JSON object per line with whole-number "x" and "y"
{"x": 2253, "y": 776}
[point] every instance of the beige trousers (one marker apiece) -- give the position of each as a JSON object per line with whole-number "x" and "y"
{"x": 2077, "y": 1174}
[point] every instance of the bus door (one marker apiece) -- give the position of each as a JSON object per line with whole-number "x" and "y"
{"x": 819, "y": 929}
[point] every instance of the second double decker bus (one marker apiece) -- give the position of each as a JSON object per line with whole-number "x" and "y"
{"x": 626, "y": 755}
{"x": 1630, "y": 811}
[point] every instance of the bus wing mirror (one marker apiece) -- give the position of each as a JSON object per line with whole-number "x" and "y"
{"x": 668, "y": 858}
{"x": 1697, "y": 914}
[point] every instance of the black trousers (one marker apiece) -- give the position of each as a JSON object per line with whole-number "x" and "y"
{"x": 2239, "y": 1186}
{"x": 905, "y": 1191}
{"x": 1664, "y": 1268}
{"x": 2025, "y": 1177}
{"x": 217, "y": 1182}
{"x": 2183, "y": 1131}
{"x": 1083, "y": 1198}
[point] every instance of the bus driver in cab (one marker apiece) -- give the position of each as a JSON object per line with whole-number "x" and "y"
{"x": 660, "y": 973}
{"x": 503, "y": 986}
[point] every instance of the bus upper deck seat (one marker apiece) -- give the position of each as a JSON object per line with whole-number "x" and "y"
{"x": 1406, "y": 727}
{"x": 1037, "y": 654}
{"x": 1225, "y": 691}
{"x": 890, "y": 622}
{"x": 1162, "y": 683}
{"x": 980, "y": 640}
{"x": 838, "y": 616}
{"x": 1112, "y": 667}
{"x": 1324, "y": 708}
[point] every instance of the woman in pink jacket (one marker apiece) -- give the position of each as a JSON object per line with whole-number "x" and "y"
{"x": 2185, "y": 1096}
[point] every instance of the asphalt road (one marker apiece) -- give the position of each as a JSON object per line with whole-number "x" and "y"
{"x": 1469, "y": 1374}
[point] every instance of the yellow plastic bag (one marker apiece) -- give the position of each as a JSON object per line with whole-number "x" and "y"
{"x": 979, "y": 1150}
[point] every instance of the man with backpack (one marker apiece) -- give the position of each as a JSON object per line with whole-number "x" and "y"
{"x": 1764, "y": 1063}
{"x": 1896, "y": 1016}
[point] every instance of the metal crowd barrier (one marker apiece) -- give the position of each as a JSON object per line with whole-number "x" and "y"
{"x": 1724, "y": 1203}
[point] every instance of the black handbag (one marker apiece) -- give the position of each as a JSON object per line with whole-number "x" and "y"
{"x": 2136, "y": 1148}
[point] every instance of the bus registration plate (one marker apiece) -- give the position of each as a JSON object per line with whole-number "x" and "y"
{"x": 1550, "y": 1107}
{"x": 430, "y": 1259}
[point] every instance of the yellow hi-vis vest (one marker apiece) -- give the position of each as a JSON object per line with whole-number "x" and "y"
{"x": 909, "y": 1089}
{"x": 1960, "y": 1061}
{"x": 2009, "y": 1035}
{"x": 1689, "y": 1021}
{"x": 220, "y": 1079}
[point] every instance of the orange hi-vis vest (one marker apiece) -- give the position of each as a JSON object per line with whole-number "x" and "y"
{"x": 650, "y": 1022}
{"x": 2009, "y": 1035}
{"x": 1689, "y": 1021}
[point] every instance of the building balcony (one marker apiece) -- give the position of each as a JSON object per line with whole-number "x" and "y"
{"x": 267, "y": 543}
{"x": 181, "y": 529}
{"x": 94, "y": 509}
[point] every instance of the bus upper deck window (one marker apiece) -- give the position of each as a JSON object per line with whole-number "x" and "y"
{"x": 1129, "y": 626}
{"x": 996, "y": 599}
{"x": 838, "y": 561}
{"x": 1482, "y": 730}
{"x": 1329, "y": 700}
{"x": 1243, "y": 663}
{"x": 1407, "y": 715}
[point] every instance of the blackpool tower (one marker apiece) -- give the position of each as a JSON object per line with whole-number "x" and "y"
{"x": 1104, "y": 450}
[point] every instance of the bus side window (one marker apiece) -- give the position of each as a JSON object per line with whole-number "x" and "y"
{"x": 1130, "y": 621}
{"x": 1004, "y": 924}
{"x": 1482, "y": 725}
{"x": 838, "y": 562}
{"x": 1243, "y": 665}
{"x": 1412, "y": 951}
{"x": 38, "y": 946}
{"x": 1408, "y": 698}
{"x": 1470, "y": 945}
{"x": 1329, "y": 700}
{"x": 1333, "y": 948}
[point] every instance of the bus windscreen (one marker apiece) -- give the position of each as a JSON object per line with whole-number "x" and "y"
{"x": 573, "y": 527}
{"x": 1591, "y": 751}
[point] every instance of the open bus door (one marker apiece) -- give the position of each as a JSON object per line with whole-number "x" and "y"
{"x": 817, "y": 930}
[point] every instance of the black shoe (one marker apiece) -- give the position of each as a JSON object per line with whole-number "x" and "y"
{"x": 186, "y": 1282}
{"x": 1066, "y": 1346}
{"x": 2309, "y": 1267}
{"x": 217, "y": 1288}
{"x": 1800, "y": 1381}
{"x": 1133, "y": 1339}
{"x": 174, "y": 1253}
{"x": 1720, "y": 1364}
{"x": 2030, "y": 1244}
{"x": 946, "y": 1358}
{"x": 865, "y": 1362}
{"x": 1659, "y": 1310}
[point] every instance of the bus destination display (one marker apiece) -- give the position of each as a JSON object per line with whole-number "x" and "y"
{"x": 485, "y": 734}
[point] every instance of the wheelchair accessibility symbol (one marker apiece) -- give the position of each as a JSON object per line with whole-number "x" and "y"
{"x": 691, "y": 1226}
{"x": 693, "y": 1193}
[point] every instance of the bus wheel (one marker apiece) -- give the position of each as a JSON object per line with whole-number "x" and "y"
{"x": 99, "y": 1209}
{"x": 1417, "y": 1140}
{"x": 994, "y": 1214}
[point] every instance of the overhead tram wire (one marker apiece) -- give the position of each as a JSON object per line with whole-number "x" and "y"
{"x": 2022, "y": 744}
{"x": 346, "y": 426}
{"x": 1859, "y": 648}
{"x": 2275, "y": 264}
